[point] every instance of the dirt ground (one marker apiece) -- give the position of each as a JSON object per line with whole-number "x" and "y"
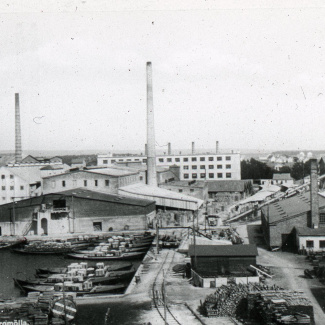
{"x": 288, "y": 268}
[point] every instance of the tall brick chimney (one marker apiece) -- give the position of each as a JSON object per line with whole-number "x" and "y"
{"x": 193, "y": 148}
{"x": 151, "y": 143}
{"x": 18, "y": 150}
{"x": 314, "y": 207}
{"x": 169, "y": 149}
{"x": 217, "y": 146}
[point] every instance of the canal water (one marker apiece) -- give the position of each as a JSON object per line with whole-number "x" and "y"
{"x": 13, "y": 265}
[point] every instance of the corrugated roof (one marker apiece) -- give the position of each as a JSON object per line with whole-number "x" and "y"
{"x": 227, "y": 186}
{"x": 223, "y": 250}
{"x": 305, "y": 231}
{"x": 290, "y": 207}
{"x": 199, "y": 184}
{"x": 162, "y": 196}
{"x": 93, "y": 195}
{"x": 283, "y": 176}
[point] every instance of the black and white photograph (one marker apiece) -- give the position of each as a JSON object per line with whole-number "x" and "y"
{"x": 162, "y": 162}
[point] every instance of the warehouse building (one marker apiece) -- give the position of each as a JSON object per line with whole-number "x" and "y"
{"x": 75, "y": 211}
{"x": 212, "y": 265}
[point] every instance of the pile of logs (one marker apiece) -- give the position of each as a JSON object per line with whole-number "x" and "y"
{"x": 225, "y": 300}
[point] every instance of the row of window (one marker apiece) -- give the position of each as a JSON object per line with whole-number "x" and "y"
{"x": 12, "y": 188}
{"x": 204, "y": 167}
{"x": 85, "y": 183}
{"x": 4, "y": 176}
{"x": 181, "y": 191}
{"x": 203, "y": 175}
{"x": 162, "y": 160}
{"x": 310, "y": 244}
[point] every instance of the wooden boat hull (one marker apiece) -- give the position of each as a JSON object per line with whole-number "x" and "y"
{"x": 127, "y": 256}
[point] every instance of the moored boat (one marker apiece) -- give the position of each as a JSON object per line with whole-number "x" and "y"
{"x": 110, "y": 256}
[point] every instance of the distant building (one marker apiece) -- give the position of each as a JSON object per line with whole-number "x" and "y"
{"x": 213, "y": 166}
{"x": 106, "y": 180}
{"x": 78, "y": 163}
{"x": 284, "y": 178}
{"x": 75, "y": 211}
{"x": 38, "y": 161}
{"x": 198, "y": 189}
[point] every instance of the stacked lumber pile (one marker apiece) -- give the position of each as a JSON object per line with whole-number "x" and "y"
{"x": 226, "y": 299}
{"x": 280, "y": 307}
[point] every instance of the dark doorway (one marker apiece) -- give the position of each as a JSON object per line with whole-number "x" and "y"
{"x": 97, "y": 226}
{"x": 44, "y": 226}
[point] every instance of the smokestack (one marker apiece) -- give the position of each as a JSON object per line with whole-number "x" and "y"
{"x": 18, "y": 151}
{"x": 146, "y": 150}
{"x": 217, "y": 146}
{"x": 193, "y": 148}
{"x": 151, "y": 157}
{"x": 314, "y": 207}
{"x": 169, "y": 148}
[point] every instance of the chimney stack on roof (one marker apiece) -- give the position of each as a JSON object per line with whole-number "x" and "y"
{"x": 169, "y": 148}
{"x": 18, "y": 150}
{"x": 314, "y": 206}
{"x": 146, "y": 150}
{"x": 193, "y": 148}
{"x": 217, "y": 146}
{"x": 151, "y": 143}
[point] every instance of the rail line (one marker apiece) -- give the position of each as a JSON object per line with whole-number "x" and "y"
{"x": 159, "y": 294}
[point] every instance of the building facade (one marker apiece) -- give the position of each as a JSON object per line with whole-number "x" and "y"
{"x": 75, "y": 211}
{"x": 192, "y": 167}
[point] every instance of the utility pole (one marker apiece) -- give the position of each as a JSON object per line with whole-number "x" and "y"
{"x": 164, "y": 297}
{"x": 194, "y": 241}
{"x": 157, "y": 233}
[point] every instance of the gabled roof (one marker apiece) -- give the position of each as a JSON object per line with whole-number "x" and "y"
{"x": 305, "y": 231}
{"x": 228, "y": 186}
{"x": 283, "y": 176}
{"x": 223, "y": 250}
{"x": 290, "y": 207}
{"x": 31, "y": 174}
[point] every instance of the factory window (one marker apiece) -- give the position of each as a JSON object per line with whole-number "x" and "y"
{"x": 309, "y": 243}
{"x": 228, "y": 166}
{"x": 191, "y": 190}
{"x": 322, "y": 218}
{"x": 202, "y": 175}
{"x": 228, "y": 175}
{"x": 3, "y": 188}
{"x": 219, "y": 175}
{"x": 107, "y": 182}
{"x": 105, "y": 161}
{"x": 322, "y": 244}
{"x": 219, "y": 158}
{"x": 185, "y": 159}
{"x": 202, "y": 167}
{"x": 3, "y": 176}
{"x": 219, "y": 166}
{"x": 169, "y": 159}
{"x": 193, "y": 158}
{"x": 194, "y": 175}
{"x": 136, "y": 159}
{"x": 228, "y": 158}
{"x": 202, "y": 158}
{"x": 85, "y": 182}
{"x": 113, "y": 161}
{"x": 97, "y": 226}
{"x": 186, "y": 176}
{"x": 96, "y": 182}
{"x": 120, "y": 160}
{"x": 12, "y": 188}
{"x": 180, "y": 191}
{"x": 194, "y": 167}
{"x": 21, "y": 187}
{"x": 59, "y": 204}
{"x": 63, "y": 183}
{"x": 177, "y": 159}
{"x": 161, "y": 159}
{"x": 210, "y": 158}
{"x": 144, "y": 160}
{"x": 11, "y": 176}
{"x": 185, "y": 167}
{"x": 128, "y": 159}
{"x": 211, "y": 167}
{"x": 211, "y": 175}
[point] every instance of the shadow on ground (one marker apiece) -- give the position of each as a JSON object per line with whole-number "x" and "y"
{"x": 255, "y": 236}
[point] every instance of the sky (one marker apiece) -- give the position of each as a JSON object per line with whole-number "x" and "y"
{"x": 250, "y": 74}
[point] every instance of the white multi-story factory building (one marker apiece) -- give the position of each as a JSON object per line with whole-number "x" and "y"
{"x": 215, "y": 166}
